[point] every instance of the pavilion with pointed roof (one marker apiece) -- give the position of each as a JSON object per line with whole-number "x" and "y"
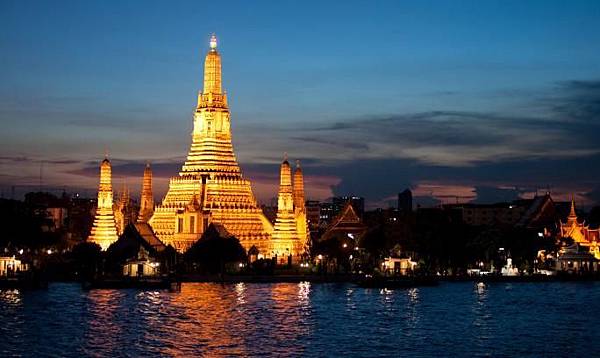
{"x": 580, "y": 231}
{"x": 346, "y": 223}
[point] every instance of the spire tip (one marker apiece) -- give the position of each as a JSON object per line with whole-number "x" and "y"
{"x": 213, "y": 42}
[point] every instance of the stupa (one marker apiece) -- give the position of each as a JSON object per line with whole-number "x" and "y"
{"x": 290, "y": 231}
{"x": 210, "y": 187}
{"x": 147, "y": 199}
{"x": 104, "y": 230}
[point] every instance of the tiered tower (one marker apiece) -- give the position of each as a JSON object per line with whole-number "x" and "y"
{"x": 300, "y": 207}
{"x": 122, "y": 210}
{"x": 211, "y": 178}
{"x": 147, "y": 199}
{"x": 286, "y": 241}
{"x": 104, "y": 231}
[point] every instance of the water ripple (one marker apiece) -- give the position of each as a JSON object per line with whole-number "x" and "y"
{"x": 301, "y": 319}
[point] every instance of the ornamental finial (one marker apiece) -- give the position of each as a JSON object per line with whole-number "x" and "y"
{"x": 213, "y": 42}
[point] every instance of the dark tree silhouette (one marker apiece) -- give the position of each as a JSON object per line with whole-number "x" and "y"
{"x": 214, "y": 250}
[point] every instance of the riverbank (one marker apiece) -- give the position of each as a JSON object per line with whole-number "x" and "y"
{"x": 355, "y": 278}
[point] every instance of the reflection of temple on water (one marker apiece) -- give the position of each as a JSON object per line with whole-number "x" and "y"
{"x": 207, "y": 319}
{"x": 103, "y": 334}
{"x": 292, "y": 317}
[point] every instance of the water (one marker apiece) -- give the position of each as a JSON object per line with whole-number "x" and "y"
{"x": 454, "y": 319}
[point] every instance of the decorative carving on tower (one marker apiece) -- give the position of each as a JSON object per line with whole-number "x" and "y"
{"x": 146, "y": 199}
{"x": 211, "y": 177}
{"x": 104, "y": 231}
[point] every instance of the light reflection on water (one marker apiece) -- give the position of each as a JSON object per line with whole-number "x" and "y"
{"x": 301, "y": 319}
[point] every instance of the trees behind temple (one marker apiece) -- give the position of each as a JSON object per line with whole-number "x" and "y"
{"x": 214, "y": 251}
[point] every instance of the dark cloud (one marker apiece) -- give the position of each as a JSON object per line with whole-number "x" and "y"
{"x": 14, "y": 159}
{"x": 378, "y": 179}
{"x": 26, "y": 159}
{"x": 490, "y": 194}
{"x": 594, "y": 194}
{"x": 577, "y": 100}
{"x": 129, "y": 168}
{"x": 554, "y": 145}
{"x": 566, "y": 125}
{"x": 334, "y": 142}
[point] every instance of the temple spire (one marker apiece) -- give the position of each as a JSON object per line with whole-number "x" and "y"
{"x": 298, "y": 187}
{"x": 212, "y": 69}
{"x": 147, "y": 199}
{"x": 104, "y": 231}
{"x": 285, "y": 242}
{"x": 211, "y": 178}
{"x": 213, "y": 42}
{"x": 573, "y": 213}
{"x": 285, "y": 175}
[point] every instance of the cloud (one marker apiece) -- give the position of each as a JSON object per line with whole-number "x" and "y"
{"x": 577, "y": 101}
{"x": 550, "y": 125}
{"x": 549, "y": 140}
{"x": 129, "y": 168}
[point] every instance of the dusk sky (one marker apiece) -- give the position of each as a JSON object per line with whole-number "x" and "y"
{"x": 457, "y": 100}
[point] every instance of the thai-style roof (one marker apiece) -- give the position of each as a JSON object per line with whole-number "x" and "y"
{"x": 146, "y": 232}
{"x": 347, "y": 221}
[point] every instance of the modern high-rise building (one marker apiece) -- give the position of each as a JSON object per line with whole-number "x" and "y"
{"x": 313, "y": 211}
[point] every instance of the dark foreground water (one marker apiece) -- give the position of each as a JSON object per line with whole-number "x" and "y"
{"x": 454, "y": 319}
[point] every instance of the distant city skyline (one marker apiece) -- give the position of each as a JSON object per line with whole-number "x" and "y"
{"x": 472, "y": 101}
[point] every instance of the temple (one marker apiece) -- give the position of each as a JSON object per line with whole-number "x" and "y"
{"x": 290, "y": 233}
{"x": 210, "y": 187}
{"x": 580, "y": 232}
{"x": 147, "y": 199}
{"x": 123, "y": 210}
{"x": 346, "y": 224}
{"x": 104, "y": 231}
{"x": 300, "y": 207}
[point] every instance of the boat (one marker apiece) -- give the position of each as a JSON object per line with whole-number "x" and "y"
{"x": 393, "y": 282}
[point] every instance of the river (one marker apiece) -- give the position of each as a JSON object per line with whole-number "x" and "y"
{"x": 305, "y": 319}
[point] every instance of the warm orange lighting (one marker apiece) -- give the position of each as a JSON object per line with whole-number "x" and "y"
{"x": 104, "y": 231}
{"x": 290, "y": 234}
{"x": 580, "y": 232}
{"x": 147, "y": 200}
{"x": 210, "y": 186}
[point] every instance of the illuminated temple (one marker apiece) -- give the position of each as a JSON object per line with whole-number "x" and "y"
{"x": 104, "y": 230}
{"x": 210, "y": 187}
{"x": 290, "y": 235}
{"x": 580, "y": 232}
{"x": 147, "y": 198}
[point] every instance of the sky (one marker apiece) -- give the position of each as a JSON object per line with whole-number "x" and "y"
{"x": 460, "y": 101}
